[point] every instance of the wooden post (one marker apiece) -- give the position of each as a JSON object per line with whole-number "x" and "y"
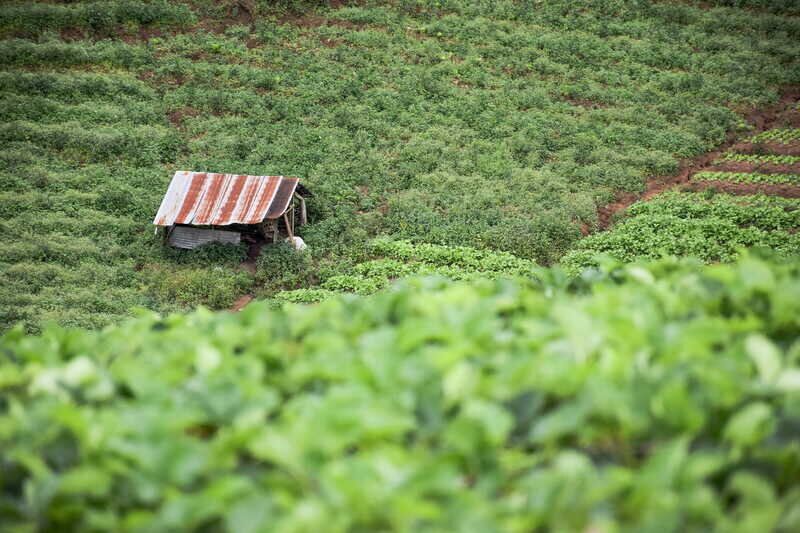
{"x": 167, "y": 231}
{"x": 288, "y": 227}
{"x": 303, "y": 214}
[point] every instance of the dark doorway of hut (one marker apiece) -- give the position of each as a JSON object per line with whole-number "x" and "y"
{"x": 203, "y": 207}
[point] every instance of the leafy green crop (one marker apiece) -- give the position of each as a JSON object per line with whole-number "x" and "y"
{"x": 744, "y": 177}
{"x": 758, "y": 211}
{"x": 789, "y": 7}
{"x": 779, "y": 135}
{"x": 32, "y": 18}
{"x": 648, "y": 397}
{"x": 711, "y": 229}
{"x": 760, "y": 158}
{"x": 392, "y": 260}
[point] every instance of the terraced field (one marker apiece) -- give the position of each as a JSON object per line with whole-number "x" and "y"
{"x": 748, "y": 196}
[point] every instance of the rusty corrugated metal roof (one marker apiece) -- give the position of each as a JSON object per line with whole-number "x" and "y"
{"x": 205, "y": 198}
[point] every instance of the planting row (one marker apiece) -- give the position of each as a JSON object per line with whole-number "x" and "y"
{"x": 759, "y": 158}
{"x": 651, "y": 236}
{"x": 681, "y": 224}
{"x": 745, "y": 177}
{"x": 393, "y": 260}
{"x": 33, "y": 18}
{"x": 780, "y": 135}
{"x": 758, "y": 211}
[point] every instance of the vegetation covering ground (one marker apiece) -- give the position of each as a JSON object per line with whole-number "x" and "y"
{"x": 646, "y": 397}
{"x": 494, "y": 125}
{"x": 390, "y": 260}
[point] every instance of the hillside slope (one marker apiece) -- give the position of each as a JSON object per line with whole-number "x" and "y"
{"x": 497, "y": 125}
{"x": 654, "y": 397}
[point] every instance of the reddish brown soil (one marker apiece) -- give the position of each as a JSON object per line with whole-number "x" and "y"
{"x": 241, "y": 302}
{"x": 775, "y": 189}
{"x": 588, "y": 104}
{"x": 315, "y": 21}
{"x": 759, "y": 168}
{"x": 767, "y": 148}
{"x": 176, "y": 117}
{"x": 778, "y": 115}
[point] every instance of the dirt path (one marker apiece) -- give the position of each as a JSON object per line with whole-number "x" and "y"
{"x": 249, "y": 266}
{"x": 241, "y": 302}
{"x": 782, "y": 114}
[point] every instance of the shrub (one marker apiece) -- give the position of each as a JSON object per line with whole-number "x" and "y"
{"x": 281, "y": 266}
{"x": 216, "y": 288}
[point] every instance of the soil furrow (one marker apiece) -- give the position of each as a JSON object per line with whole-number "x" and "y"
{"x": 777, "y": 115}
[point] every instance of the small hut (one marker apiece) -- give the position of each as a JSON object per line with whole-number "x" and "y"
{"x": 203, "y": 207}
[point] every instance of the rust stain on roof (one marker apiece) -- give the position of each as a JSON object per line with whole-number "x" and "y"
{"x": 204, "y": 198}
{"x": 283, "y": 196}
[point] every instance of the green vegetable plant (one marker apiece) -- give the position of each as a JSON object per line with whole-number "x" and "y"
{"x": 752, "y": 158}
{"x": 746, "y": 177}
{"x": 778, "y": 135}
{"x": 657, "y": 396}
{"x": 711, "y": 229}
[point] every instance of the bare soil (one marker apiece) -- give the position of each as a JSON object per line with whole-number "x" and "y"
{"x": 176, "y": 117}
{"x": 759, "y": 168}
{"x": 242, "y": 301}
{"x": 767, "y": 148}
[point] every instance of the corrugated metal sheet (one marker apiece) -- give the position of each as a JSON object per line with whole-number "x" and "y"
{"x": 205, "y": 198}
{"x": 186, "y": 237}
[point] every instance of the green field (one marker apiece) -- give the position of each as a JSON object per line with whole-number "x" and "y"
{"x": 513, "y": 329}
{"x": 493, "y": 125}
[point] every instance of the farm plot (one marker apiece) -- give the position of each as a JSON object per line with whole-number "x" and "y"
{"x": 483, "y": 124}
{"x": 710, "y": 226}
{"x": 713, "y": 232}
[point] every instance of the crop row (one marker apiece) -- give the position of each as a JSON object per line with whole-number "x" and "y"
{"x": 76, "y": 87}
{"x": 42, "y": 110}
{"x": 400, "y": 259}
{"x": 779, "y": 135}
{"x": 759, "y": 158}
{"x": 140, "y": 144}
{"x": 651, "y": 236}
{"x": 34, "y": 18}
{"x": 18, "y": 52}
{"x": 759, "y": 211}
{"x": 745, "y": 177}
